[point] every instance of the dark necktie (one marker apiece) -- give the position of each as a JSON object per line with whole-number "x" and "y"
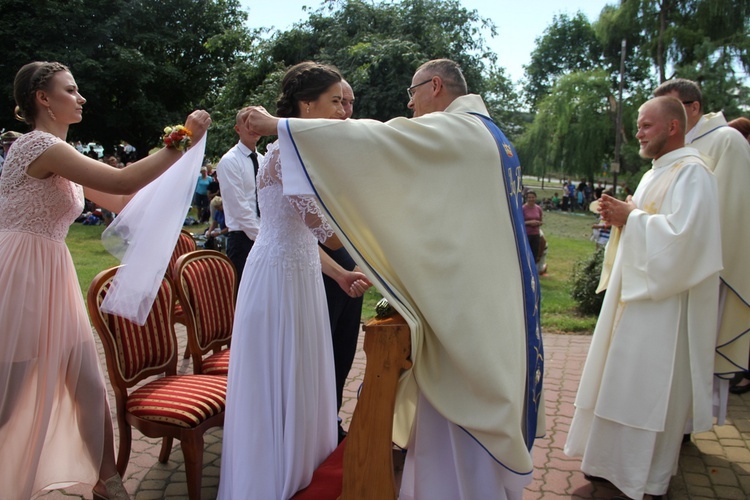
{"x": 254, "y": 158}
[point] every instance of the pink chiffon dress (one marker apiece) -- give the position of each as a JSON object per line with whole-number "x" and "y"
{"x": 52, "y": 392}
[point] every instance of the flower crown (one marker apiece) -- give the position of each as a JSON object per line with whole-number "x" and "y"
{"x": 177, "y": 137}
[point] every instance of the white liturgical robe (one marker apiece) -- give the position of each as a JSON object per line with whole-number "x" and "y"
{"x": 727, "y": 154}
{"x": 650, "y": 364}
{"x": 391, "y": 191}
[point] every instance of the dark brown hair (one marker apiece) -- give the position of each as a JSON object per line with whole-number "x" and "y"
{"x": 742, "y": 124}
{"x": 305, "y": 81}
{"x": 688, "y": 90}
{"x": 30, "y": 78}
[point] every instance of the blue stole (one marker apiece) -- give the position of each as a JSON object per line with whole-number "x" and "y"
{"x": 511, "y": 167}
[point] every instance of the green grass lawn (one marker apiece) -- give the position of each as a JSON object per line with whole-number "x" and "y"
{"x": 89, "y": 256}
{"x": 567, "y": 236}
{"x": 568, "y": 241}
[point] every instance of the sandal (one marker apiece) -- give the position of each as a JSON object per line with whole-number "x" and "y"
{"x": 115, "y": 489}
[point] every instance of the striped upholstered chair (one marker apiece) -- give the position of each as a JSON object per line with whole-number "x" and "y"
{"x": 185, "y": 243}
{"x": 206, "y": 283}
{"x": 149, "y": 395}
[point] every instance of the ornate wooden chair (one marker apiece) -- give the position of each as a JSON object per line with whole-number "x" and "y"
{"x": 206, "y": 283}
{"x": 171, "y": 406}
{"x": 185, "y": 243}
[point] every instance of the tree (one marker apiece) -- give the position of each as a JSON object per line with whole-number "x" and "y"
{"x": 376, "y": 46}
{"x": 568, "y": 45}
{"x": 503, "y": 103}
{"x": 703, "y": 40}
{"x": 573, "y": 128}
{"x": 141, "y": 64}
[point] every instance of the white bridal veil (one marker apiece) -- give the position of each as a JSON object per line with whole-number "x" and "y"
{"x": 144, "y": 234}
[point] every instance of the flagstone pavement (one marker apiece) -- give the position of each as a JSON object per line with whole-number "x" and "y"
{"x": 714, "y": 465}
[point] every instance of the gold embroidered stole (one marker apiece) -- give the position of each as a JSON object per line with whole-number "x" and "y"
{"x": 651, "y": 203}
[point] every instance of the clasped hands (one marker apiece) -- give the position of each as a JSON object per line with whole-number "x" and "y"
{"x": 615, "y": 212}
{"x": 259, "y": 121}
{"x": 354, "y": 283}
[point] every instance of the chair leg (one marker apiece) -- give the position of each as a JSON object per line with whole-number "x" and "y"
{"x": 192, "y": 450}
{"x": 166, "y": 449}
{"x": 123, "y": 454}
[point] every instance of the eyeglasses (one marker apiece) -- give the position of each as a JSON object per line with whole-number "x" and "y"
{"x": 687, "y": 103}
{"x": 410, "y": 90}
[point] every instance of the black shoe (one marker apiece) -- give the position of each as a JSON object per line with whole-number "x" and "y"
{"x": 738, "y": 377}
{"x": 595, "y": 479}
{"x": 624, "y": 497}
{"x": 342, "y": 434}
{"x": 740, "y": 389}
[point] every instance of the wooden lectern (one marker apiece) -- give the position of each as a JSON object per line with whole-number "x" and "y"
{"x": 368, "y": 456}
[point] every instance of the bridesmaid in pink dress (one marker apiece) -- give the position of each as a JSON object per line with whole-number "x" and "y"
{"x": 55, "y": 424}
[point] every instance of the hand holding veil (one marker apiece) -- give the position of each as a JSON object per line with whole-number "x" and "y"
{"x": 144, "y": 234}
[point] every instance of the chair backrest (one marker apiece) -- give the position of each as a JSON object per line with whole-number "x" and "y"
{"x": 185, "y": 243}
{"x": 206, "y": 282}
{"x": 135, "y": 352}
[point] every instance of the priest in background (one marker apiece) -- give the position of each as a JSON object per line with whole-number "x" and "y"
{"x": 727, "y": 154}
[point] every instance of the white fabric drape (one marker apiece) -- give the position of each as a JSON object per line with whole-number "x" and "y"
{"x": 144, "y": 234}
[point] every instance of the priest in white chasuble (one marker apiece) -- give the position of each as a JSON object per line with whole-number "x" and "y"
{"x": 727, "y": 154}
{"x": 430, "y": 208}
{"x": 650, "y": 365}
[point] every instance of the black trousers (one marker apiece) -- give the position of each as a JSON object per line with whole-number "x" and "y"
{"x": 346, "y": 315}
{"x": 238, "y": 246}
{"x": 535, "y": 242}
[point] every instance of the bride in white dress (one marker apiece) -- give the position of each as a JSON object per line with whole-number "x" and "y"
{"x": 281, "y": 400}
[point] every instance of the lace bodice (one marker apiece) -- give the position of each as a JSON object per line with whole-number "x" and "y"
{"x": 289, "y": 225}
{"x": 46, "y": 207}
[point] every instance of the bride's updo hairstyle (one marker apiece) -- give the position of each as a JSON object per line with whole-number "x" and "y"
{"x": 30, "y": 78}
{"x": 304, "y": 82}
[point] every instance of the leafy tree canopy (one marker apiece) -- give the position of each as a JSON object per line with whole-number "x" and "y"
{"x": 376, "y": 46}
{"x": 568, "y": 45}
{"x": 574, "y": 126}
{"x": 702, "y": 40}
{"x": 141, "y": 64}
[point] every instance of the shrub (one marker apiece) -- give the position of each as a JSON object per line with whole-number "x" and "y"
{"x": 584, "y": 280}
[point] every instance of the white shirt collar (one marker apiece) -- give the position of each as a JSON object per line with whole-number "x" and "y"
{"x": 690, "y": 136}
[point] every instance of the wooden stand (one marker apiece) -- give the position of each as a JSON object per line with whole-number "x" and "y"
{"x": 368, "y": 456}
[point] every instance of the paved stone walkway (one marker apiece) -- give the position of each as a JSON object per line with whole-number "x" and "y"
{"x": 715, "y": 465}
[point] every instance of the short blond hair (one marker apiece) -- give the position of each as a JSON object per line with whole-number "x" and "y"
{"x": 671, "y": 109}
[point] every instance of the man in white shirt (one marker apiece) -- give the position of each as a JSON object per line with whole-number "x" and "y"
{"x": 650, "y": 365}
{"x": 237, "y": 172}
{"x": 727, "y": 154}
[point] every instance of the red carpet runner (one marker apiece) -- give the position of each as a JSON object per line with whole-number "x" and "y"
{"x": 327, "y": 478}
